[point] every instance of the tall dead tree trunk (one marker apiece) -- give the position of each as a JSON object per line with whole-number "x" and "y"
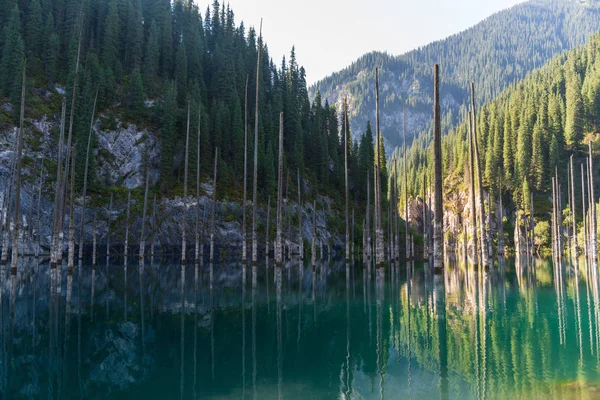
{"x": 71, "y": 256}
{"x": 438, "y": 229}
{"x": 300, "y": 209}
{"x": 267, "y": 233}
{"x": 38, "y": 214}
{"x": 406, "y": 211}
{"x": 126, "y": 249}
{"x": 482, "y": 225}
{"x": 255, "y": 186}
{"x": 17, "y": 221}
{"x": 185, "y": 179}
{"x": 244, "y": 256}
{"x": 593, "y": 224}
{"x": 278, "y": 245}
{"x": 54, "y": 248}
{"x": 379, "y": 245}
{"x": 109, "y": 218}
{"x": 143, "y": 231}
{"x": 583, "y": 209}
{"x": 368, "y": 218}
{"x": 85, "y": 178}
{"x": 197, "y": 231}
{"x": 473, "y": 219}
{"x": 500, "y": 224}
{"x": 154, "y": 228}
{"x": 346, "y": 176}
{"x": 314, "y": 235}
{"x": 214, "y": 206}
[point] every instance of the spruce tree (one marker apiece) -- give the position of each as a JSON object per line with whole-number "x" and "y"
{"x": 151, "y": 58}
{"x": 12, "y": 59}
{"x": 574, "y": 112}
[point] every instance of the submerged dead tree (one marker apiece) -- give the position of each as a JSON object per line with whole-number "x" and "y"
{"x": 18, "y": 159}
{"x": 245, "y": 172}
{"x": 71, "y": 255}
{"x": 594, "y": 222}
{"x": 278, "y": 244}
{"x": 267, "y": 233}
{"x": 109, "y": 218}
{"x": 126, "y": 249}
{"x": 346, "y": 176}
{"x": 406, "y": 211}
{"x": 300, "y": 209}
{"x": 255, "y": 186}
{"x": 438, "y": 226}
{"x": 197, "y": 230}
{"x": 85, "y": 178}
{"x": 54, "y": 248}
{"x": 482, "y": 228}
{"x": 472, "y": 208}
{"x": 214, "y": 206}
{"x": 185, "y": 179}
{"x": 379, "y": 245}
{"x": 143, "y": 231}
{"x": 314, "y": 235}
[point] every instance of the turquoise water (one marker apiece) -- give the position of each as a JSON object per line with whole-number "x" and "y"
{"x": 338, "y": 332}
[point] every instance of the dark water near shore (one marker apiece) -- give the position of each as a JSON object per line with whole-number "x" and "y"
{"x": 337, "y": 332}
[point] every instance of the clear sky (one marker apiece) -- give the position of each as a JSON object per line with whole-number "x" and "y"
{"x": 330, "y": 34}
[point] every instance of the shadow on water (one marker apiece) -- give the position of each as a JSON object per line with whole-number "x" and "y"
{"x": 335, "y": 330}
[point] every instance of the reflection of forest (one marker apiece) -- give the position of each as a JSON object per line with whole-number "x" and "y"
{"x": 329, "y": 332}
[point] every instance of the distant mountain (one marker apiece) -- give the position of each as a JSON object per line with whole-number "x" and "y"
{"x": 495, "y": 53}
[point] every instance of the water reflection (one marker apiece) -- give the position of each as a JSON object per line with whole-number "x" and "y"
{"x": 333, "y": 331}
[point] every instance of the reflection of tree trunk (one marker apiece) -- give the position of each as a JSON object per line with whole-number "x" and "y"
{"x": 440, "y": 297}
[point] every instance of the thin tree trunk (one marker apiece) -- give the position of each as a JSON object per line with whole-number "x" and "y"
{"x": 143, "y": 233}
{"x": 352, "y": 233}
{"x": 425, "y": 219}
{"x": 126, "y": 249}
{"x": 368, "y": 217}
{"x": 574, "y": 218}
{"x": 57, "y": 193}
{"x": 500, "y": 225}
{"x": 346, "y": 177}
{"x": 314, "y": 235}
{"x": 214, "y": 206}
{"x": 532, "y": 223}
{"x": 185, "y": 179}
{"x": 406, "y": 211}
{"x": 71, "y": 257}
{"x": 17, "y": 222}
{"x": 108, "y": 226}
{"x": 559, "y": 219}
{"x": 278, "y": 247}
{"x": 554, "y": 235}
{"x": 593, "y": 224}
{"x": 473, "y": 209}
{"x": 438, "y": 233}
{"x": 254, "y": 188}
{"x": 197, "y": 232}
{"x": 38, "y": 215}
{"x": 583, "y": 209}
{"x": 482, "y": 226}
{"x": 300, "y": 209}
{"x": 154, "y": 227}
{"x": 94, "y": 243}
{"x": 268, "y": 226}
{"x": 85, "y": 177}
{"x": 379, "y": 245}
{"x": 6, "y": 224}
{"x": 244, "y": 256}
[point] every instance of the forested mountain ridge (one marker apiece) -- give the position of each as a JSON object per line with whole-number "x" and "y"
{"x": 525, "y": 136}
{"x": 150, "y": 61}
{"x": 494, "y": 53}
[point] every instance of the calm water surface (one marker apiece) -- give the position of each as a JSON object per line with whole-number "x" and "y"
{"x": 337, "y": 332}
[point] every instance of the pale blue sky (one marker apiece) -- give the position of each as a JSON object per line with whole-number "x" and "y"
{"x": 330, "y": 34}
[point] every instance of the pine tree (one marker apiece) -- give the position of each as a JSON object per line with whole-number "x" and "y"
{"x": 35, "y": 26}
{"x": 167, "y": 135}
{"x": 136, "y": 95}
{"x": 575, "y": 113}
{"x": 110, "y": 44}
{"x": 182, "y": 75}
{"x": 50, "y": 51}
{"x": 12, "y": 59}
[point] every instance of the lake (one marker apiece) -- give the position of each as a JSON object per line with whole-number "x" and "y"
{"x": 160, "y": 331}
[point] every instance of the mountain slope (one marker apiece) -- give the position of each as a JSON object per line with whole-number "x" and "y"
{"x": 494, "y": 53}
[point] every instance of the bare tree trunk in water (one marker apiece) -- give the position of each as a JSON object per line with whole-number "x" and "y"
{"x": 85, "y": 177}
{"x": 593, "y": 224}
{"x": 154, "y": 228}
{"x": 71, "y": 257}
{"x": 197, "y": 231}
{"x": 379, "y": 245}
{"x": 214, "y": 206}
{"x": 244, "y": 256}
{"x": 143, "y": 233}
{"x": 57, "y": 193}
{"x": 126, "y": 249}
{"x": 17, "y": 221}
{"x": 438, "y": 229}
{"x": 482, "y": 226}
{"x": 473, "y": 209}
{"x": 300, "y": 209}
{"x": 314, "y": 235}
{"x": 108, "y": 226}
{"x": 406, "y": 210}
{"x": 254, "y": 188}
{"x": 185, "y": 179}
{"x": 268, "y": 231}
{"x": 583, "y": 209}
{"x": 278, "y": 246}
